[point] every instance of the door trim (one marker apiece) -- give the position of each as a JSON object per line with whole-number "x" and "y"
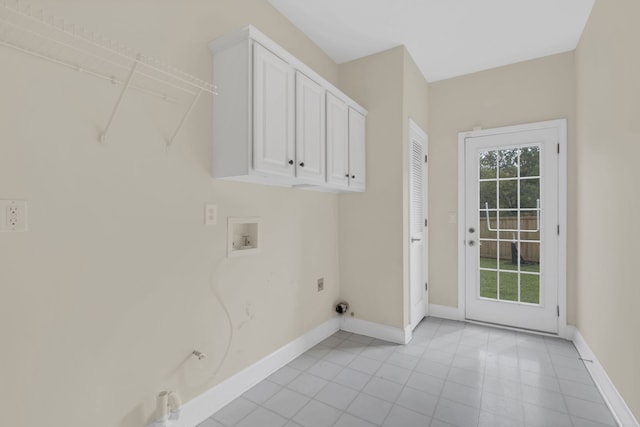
{"x": 416, "y": 131}
{"x": 561, "y": 126}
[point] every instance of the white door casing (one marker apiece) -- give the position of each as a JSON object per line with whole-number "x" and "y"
{"x": 512, "y": 254}
{"x": 418, "y": 237}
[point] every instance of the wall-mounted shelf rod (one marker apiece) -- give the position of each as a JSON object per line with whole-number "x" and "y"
{"x": 50, "y": 38}
{"x": 80, "y": 69}
{"x": 103, "y": 136}
{"x": 184, "y": 118}
{"x": 101, "y": 45}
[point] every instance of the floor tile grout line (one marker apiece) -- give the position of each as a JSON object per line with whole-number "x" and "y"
{"x": 518, "y": 349}
{"x": 564, "y": 400}
{"x": 484, "y": 378}
{"x": 440, "y": 394}
{"x": 372, "y": 376}
{"x": 414, "y": 360}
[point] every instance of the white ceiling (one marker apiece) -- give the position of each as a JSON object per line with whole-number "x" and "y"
{"x": 446, "y": 38}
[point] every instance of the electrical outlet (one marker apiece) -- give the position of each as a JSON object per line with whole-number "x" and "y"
{"x": 321, "y": 284}
{"x": 210, "y": 214}
{"x": 13, "y": 215}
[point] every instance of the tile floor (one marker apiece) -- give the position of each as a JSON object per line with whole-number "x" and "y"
{"x": 451, "y": 374}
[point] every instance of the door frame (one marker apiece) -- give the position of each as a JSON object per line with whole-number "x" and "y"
{"x": 560, "y": 126}
{"x": 415, "y": 130}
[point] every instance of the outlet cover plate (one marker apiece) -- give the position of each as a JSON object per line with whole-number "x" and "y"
{"x": 210, "y": 214}
{"x": 13, "y": 215}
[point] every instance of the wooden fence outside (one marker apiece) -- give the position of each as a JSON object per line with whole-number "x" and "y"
{"x": 529, "y": 251}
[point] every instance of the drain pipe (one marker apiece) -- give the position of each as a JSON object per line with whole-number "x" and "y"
{"x": 168, "y": 406}
{"x": 174, "y": 406}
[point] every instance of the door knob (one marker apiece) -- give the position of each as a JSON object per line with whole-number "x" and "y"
{"x": 472, "y": 230}
{"x": 472, "y": 242}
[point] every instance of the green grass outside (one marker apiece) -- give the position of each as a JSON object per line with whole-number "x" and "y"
{"x": 529, "y": 283}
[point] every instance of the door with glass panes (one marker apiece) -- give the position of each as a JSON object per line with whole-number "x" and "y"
{"x": 511, "y": 240}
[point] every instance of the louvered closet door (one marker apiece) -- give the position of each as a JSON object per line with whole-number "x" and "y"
{"x": 417, "y": 219}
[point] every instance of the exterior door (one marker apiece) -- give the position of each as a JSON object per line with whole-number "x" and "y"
{"x": 511, "y": 228}
{"x": 417, "y": 224}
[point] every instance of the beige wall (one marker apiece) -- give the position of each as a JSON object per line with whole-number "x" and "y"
{"x": 532, "y": 91}
{"x": 373, "y": 237}
{"x": 416, "y": 108}
{"x": 114, "y": 285}
{"x": 608, "y": 198}
{"x": 117, "y": 280}
{"x": 371, "y": 262}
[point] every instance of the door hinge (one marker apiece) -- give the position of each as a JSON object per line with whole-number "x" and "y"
{"x": 426, "y": 286}
{"x": 426, "y": 222}
{"x": 558, "y": 148}
{"x": 558, "y": 310}
{"x": 558, "y": 229}
{"x": 426, "y": 157}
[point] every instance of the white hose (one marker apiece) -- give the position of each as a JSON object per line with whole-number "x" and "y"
{"x": 215, "y": 279}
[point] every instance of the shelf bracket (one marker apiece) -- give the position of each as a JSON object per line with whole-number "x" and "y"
{"x": 127, "y": 83}
{"x": 184, "y": 118}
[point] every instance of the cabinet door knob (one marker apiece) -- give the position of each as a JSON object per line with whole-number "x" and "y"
{"x": 347, "y": 175}
{"x": 301, "y": 164}
{"x": 290, "y": 162}
{"x": 353, "y": 177}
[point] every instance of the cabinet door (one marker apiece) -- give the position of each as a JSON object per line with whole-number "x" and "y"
{"x": 310, "y": 130}
{"x": 337, "y": 141}
{"x": 357, "y": 150}
{"x": 273, "y": 114}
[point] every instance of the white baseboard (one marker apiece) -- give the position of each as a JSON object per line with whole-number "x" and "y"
{"x": 623, "y": 415}
{"x": 567, "y": 332}
{"x": 445, "y": 312}
{"x": 376, "y": 330}
{"x": 614, "y": 401}
{"x": 200, "y": 408}
{"x": 197, "y": 410}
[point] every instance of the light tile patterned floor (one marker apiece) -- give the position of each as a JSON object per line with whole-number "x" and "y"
{"x": 451, "y": 374}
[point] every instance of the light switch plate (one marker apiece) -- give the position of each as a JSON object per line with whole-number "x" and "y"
{"x": 13, "y": 215}
{"x": 210, "y": 214}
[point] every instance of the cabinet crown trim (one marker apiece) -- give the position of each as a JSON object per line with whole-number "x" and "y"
{"x": 252, "y": 33}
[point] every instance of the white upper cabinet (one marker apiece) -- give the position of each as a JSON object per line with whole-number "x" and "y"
{"x": 357, "y": 155}
{"x": 346, "y": 155}
{"x": 310, "y": 130}
{"x": 337, "y": 142}
{"x": 277, "y": 122}
{"x": 273, "y": 114}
